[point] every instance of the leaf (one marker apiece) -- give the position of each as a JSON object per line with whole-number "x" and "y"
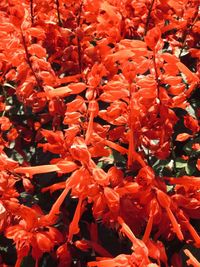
{"x": 180, "y": 163}
{"x": 190, "y": 168}
{"x": 9, "y": 85}
{"x": 188, "y": 147}
{"x": 163, "y": 167}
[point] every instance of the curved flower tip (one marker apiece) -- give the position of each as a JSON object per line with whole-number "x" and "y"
{"x": 192, "y": 260}
{"x": 82, "y": 245}
{"x": 148, "y": 229}
{"x": 121, "y": 260}
{"x": 74, "y": 225}
{"x": 183, "y": 137}
{"x": 54, "y": 187}
{"x": 165, "y": 202}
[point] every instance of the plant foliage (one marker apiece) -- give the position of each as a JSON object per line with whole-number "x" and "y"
{"x": 99, "y": 133}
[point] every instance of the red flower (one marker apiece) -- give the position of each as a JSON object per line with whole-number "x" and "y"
{"x": 31, "y": 233}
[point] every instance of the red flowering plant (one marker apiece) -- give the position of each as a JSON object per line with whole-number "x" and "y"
{"x": 100, "y": 144}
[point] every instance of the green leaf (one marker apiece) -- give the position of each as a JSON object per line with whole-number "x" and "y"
{"x": 188, "y": 147}
{"x": 162, "y": 167}
{"x": 170, "y": 188}
{"x": 190, "y": 168}
{"x": 180, "y": 163}
{"x": 9, "y": 85}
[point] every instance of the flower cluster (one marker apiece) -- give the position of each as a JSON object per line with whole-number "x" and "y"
{"x": 99, "y": 132}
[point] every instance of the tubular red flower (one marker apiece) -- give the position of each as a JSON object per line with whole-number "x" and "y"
{"x": 165, "y": 202}
{"x": 73, "y": 227}
{"x": 192, "y": 260}
{"x": 30, "y": 171}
